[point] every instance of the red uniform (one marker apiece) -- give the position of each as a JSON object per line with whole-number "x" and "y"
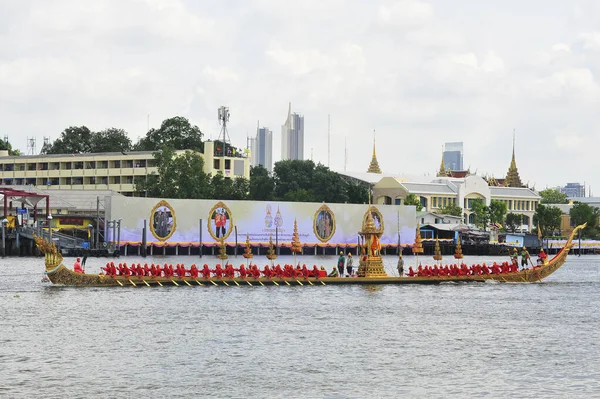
{"x": 194, "y": 271}
{"x": 205, "y": 271}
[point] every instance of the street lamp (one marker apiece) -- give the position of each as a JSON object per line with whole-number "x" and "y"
{"x": 4, "y": 223}
{"x": 50, "y": 226}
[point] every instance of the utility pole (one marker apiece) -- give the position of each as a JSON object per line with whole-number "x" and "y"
{"x": 328, "y": 141}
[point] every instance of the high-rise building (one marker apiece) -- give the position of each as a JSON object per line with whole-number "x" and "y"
{"x": 573, "y": 190}
{"x": 453, "y": 156}
{"x": 292, "y": 136}
{"x": 262, "y": 153}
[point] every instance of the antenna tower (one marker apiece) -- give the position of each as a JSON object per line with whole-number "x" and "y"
{"x": 328, "y": 141}
{"x": 31, "y": 145}
{"x": 345, "y": 153}
{"x": 223, "y": 115}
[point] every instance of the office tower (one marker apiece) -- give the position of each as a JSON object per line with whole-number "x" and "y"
{"x": 263, "y": 148}
{"x": 573, "y": 190}
{"x": 292, "y": 136}
{"x": 453, "y": 156}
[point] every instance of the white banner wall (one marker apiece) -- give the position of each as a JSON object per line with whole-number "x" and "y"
{"x": 177, "y": 221}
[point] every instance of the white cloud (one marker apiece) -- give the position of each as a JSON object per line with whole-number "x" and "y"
{"x": 419, "y": 72}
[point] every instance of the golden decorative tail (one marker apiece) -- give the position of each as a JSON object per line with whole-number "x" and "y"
{"x": 52, "y": 255}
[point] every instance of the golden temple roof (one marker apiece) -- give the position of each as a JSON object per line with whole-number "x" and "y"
{"x": 512, "y": 177}
{"x": 374, "y": 165}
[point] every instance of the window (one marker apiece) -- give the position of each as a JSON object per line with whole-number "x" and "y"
{"x": 398, "y": 201}
{"x": 217, "y": 164}
{"x": 228, "y": 164}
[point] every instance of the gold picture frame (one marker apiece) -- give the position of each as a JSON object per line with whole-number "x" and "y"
{"x": 324, "y": 223}
{"x": 377, "y": 218}
{"x": 221, "y": 232}
{"x": 163, "y": 228}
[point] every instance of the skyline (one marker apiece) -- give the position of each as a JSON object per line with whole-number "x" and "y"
{"x": 421, "y": 73}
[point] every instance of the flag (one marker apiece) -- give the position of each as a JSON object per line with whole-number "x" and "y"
{"x": 539, "y": 233}
{"x": 498, "y": 225}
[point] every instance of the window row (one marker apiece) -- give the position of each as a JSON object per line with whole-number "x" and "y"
{"x": 115, "y": 164}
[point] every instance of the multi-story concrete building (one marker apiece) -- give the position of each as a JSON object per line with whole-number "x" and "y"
{"x": 292, "y": 136}
{"x": 573, "y": 190}
{"x": 103, "y": 171}
{"x": 263, "y": 148}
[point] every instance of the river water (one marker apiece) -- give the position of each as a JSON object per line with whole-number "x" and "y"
{"x": 490, "y": 340}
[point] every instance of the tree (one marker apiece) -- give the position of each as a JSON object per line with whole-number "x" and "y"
{"x": 227, "y": 188}
{"x": 177, "y": 133}
{"x": 110, "y": 140}
{"x": 583, "y": 213}
{"x": 513, "y": 221}
{"x": 73, "y": 140}
{"x": 293, "y": 175}
{"x": 261, "y": 184}
{"x": 412, "y": 199}
{"x": 497, "y": 211}
{"x": 450, "y": 209}
{"x": 553, "y": 196}
{"x": 481, "y": 212}
{"x": 178, "y": 177}
{"x": 357, "y": 193}
{"x": 327, "y": 186}
{"x": 6, "y": 146}
{"x": 547, "y": 219}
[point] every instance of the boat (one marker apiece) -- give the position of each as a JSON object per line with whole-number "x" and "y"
{"x": 371, "y": 271}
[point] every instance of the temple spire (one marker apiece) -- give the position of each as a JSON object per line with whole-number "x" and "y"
{"x": 442, "y": 172}
{"x": 512, "y": 177}
{"x": 374, "y": 165}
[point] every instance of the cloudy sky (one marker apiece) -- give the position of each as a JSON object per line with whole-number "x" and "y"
{"x": 419, "y": 72}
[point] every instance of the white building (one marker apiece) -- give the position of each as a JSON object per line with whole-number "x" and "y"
{"x": 442, "y": 192}
{"x": 263, "y": 148}
{"x": 292, "y": 136}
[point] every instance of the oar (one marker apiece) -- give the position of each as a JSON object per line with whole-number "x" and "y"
{"x": 120, "y": 283}
{"x": 249, "y": 283}
{"x": 287, "y": 282}
{"x": 322, "y": 282}
{"x": 185, "y": 281}
{"x": 310, "y": 282}
{"x": 174, "y": 282}
{"x": 132, "y": 283}
{"x": 274, "y": 282}
{"x": 299, "y": 282}
{"x": 159, "y": 283}
{"x": 236, "y": 283}
{"x": 199, "y": 283}
{"x": 225, "y": 282}
{"x": 145, "y": 282}
{"x": 213, "y": 282}
{"x": 261, "y": 283}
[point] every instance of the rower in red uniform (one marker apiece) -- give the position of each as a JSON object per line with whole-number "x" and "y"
{"x": 205, "y": 271}
{"x": 315, "y": 271}
{"x": 77, "y": 266}
{"x": 218, "y": 271}
{"x": 542, "y": 258}
{"x": 229, "y": 271}
{"x": 255, "y": 271}
{"x": 242, "y": 271}
{"x": 411, "y": 272}
{"x": 267, "y": 272}
{"x": 193, "y": 271}
{"x": 107, "y": 269}
{"x": 278, "y": 271}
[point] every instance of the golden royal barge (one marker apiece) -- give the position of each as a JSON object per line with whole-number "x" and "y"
{"x": 370, "y": 270}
